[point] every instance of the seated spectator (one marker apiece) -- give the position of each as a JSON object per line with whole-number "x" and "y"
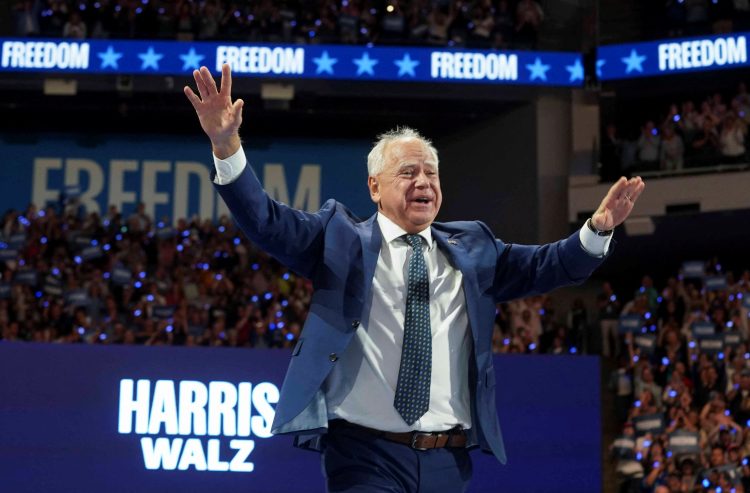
{"x": 672, "y": 150}
{"x": 645, "y": 383}
{"x": 503, "y": 26}
{"x": 529, "y": 16}
{"x": 732, "y": 140}
{"x": 721, "y": 13}
{"x": 483, "y": 22}
{"x": 706, "y": 144}
{"x": 674, "y": 12}
{"x": 742, "y": 100}
{"x": 27, "y": 17}
{"x": 696, "y": 16}
{"x": 349, "y": 22}
{"x": 718, "y": 108}
{"x": 648, "y": 147}
{"x": 610, "y": 155}
{"x": 393, "y": 24}
{"x": 208, "y": 20}
{"x": 417, "y": 20}
{"x": 184, "y": 22}
{"x": 438, "y": 23}
{"x": 74, "y": 28}
{"x": 688, "y": 123}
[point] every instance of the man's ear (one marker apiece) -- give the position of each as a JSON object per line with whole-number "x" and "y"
{"x": 374, "y": 186}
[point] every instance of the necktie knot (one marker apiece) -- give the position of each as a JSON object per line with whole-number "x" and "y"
{"x": 414, "y": 240}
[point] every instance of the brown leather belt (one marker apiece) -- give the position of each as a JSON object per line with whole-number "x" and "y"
{"x": 418, "y": 440}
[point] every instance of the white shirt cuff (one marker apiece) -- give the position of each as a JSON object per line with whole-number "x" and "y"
{"x": 227, "y": 170}
{"x": 594, "y": 244}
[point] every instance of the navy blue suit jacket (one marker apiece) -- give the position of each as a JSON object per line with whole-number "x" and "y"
{"x": 338, "y": 252}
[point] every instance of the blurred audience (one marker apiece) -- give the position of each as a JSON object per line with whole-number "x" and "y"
{"x": 78, "y": 278}
{"x": 686, "y": 138}
{"x": 473, "y": 23}
{"x": 682, "y": 386}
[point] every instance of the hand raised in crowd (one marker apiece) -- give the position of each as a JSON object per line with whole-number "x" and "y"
{"x": 220, "y": 118}
{"x": 618, "y": 204}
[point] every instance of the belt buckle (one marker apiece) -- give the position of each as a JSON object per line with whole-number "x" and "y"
{"x": 414, "y": 437}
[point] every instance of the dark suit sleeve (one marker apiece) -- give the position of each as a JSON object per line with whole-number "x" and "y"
{"x": 528, "y": 270}
{"x": 292, "y": 236}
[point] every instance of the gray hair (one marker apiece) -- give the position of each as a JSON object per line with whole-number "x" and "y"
{"x": 376, "y": 158}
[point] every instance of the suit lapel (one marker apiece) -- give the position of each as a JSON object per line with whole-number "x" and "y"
{"x": 458, "y": 256}
{"x": 371, "y": 238}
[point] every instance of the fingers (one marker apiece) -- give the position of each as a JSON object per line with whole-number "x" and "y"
{"x": 192, "y": 97}
{"x": 638, "y": 188}
{"x": 226, "y": 80}
{"x": 615, "y": 191}
{"x": 237, "y": 110}
{"x": 200, "y": 84}
{"x": 627, "y": 189}
{"x": 208, "y": 80}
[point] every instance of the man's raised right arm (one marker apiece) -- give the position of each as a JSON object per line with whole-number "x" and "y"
{"x": 294, "y": 237}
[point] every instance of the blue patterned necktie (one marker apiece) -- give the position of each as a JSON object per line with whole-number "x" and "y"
{"x": 413, "y": 388}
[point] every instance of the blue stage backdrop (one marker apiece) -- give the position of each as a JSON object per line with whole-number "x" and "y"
{"x": 170, "y": 175}
{"x": 154, "y": 419}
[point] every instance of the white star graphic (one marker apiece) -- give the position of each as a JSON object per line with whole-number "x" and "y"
{"x": 191, "y": 60}
{"x": 633, "y": 62}
{"x": 365, "y": 64}
{"x": 538, "y": 70}
{"x": 406, "y": 66}
{"x": 575, "y": 71}
{"x": 599, "y": 64}
{"x": 150, "y": 59}
{"x": 109, "y": 58}
{"x": 325, "y": 63}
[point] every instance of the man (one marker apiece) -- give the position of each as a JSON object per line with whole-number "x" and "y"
{"x": 392, "y": 375}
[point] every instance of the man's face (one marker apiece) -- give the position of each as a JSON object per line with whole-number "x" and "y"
{"x": 407, "y": 191}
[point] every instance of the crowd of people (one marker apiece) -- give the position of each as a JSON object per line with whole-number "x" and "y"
{"x": 693, "y": 17}
{"x": 69, "y": 277}
{"x": 682, "y": 383}
{"x": 473, "y": 23}
{"x": 685, "y": 135}
{"x": 73, "y": 278}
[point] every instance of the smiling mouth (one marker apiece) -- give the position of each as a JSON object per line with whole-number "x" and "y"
{"x": 423, "y": 200}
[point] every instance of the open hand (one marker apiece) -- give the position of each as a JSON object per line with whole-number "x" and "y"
{"x": 618, "y": 204}
{"x": 219, "y": 117}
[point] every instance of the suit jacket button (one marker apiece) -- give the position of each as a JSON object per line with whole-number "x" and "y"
{"x": 333, "y": 357}
{"x": 355, "y": 324}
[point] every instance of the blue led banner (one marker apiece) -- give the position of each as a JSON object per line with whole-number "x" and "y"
{"x": 120, "y": 419}
{"x": 672, "y": 56}
{"x": 397, "y": 64}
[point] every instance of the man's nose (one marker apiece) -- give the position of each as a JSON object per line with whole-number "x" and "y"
{"x": 421, "y": 180}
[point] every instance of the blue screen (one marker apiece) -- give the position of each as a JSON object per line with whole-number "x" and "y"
{"x": 93, "y": 418}
{"x": 671, "y": 56}
{"x": 397, "y": 64}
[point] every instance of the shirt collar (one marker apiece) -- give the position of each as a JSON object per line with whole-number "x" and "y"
{"x": 392, "y": 231}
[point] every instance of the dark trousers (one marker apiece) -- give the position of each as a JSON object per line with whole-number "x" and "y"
{"x": 356, "y": 461}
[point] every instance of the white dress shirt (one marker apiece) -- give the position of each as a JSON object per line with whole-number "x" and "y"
{"x": 362, "y": 385}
